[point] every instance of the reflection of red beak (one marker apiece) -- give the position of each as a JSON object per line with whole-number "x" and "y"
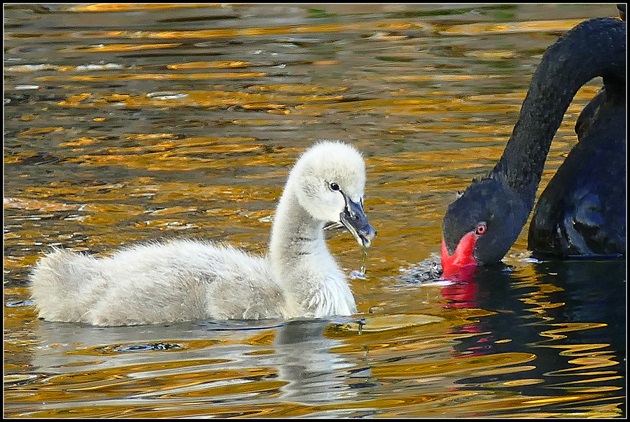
{"x": 462, "y": 264}
{"x": 461, "y": 294}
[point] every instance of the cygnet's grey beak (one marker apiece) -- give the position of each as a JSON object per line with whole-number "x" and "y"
{"x": 354, "y": 219}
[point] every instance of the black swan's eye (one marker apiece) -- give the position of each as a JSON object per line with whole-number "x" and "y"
{"x": 334, "y": 186}
{"x": 481, "y": 228}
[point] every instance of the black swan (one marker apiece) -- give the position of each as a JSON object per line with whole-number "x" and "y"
{"x": 582, "y": 211}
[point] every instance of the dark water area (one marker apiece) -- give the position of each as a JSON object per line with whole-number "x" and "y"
{"x": 127, "y": 122}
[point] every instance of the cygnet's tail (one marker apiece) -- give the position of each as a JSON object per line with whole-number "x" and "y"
{"x": 61, "y": 285}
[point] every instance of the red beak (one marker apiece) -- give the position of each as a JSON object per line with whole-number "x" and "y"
{"x": 462, "y": 264}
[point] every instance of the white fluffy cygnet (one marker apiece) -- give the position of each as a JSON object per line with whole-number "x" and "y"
{"x": 184, "y": 280}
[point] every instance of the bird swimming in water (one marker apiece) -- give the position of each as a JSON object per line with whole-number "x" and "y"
{"x": 582, "y": 212}
{"x": 181, "y": 280}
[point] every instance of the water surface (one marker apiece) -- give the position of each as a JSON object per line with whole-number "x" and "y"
{"x": 128, "y": 123}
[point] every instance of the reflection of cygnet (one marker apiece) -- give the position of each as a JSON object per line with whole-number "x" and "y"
{"x": 185, "y": 279}
{"x": 314, "y": 373}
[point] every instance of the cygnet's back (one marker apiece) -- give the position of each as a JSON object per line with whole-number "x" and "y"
{"x": 183, "y": 280}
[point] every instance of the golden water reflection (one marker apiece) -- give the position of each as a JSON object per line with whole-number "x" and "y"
{"x": 130, "y": 122}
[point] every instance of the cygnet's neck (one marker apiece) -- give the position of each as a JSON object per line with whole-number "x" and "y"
{"x": 295, "y": 236}
{"x": 302, "y": 262}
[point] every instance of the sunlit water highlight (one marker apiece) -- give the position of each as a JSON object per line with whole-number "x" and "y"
{"x": 130, "y": 122}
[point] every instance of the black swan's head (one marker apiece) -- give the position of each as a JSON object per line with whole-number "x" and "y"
{"x": 481, "y": 225}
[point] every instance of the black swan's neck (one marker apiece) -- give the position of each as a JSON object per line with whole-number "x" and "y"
{"x": 596, "y": 47}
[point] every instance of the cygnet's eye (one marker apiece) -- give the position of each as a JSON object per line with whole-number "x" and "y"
{"x": 481, "y": 228}
{"x": 334, "y": 186}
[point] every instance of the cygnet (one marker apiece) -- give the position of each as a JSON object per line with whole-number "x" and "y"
{"x": 184, "y": 280}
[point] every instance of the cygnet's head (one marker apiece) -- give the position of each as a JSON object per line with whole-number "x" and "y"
{"x": 329, "y": 182}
